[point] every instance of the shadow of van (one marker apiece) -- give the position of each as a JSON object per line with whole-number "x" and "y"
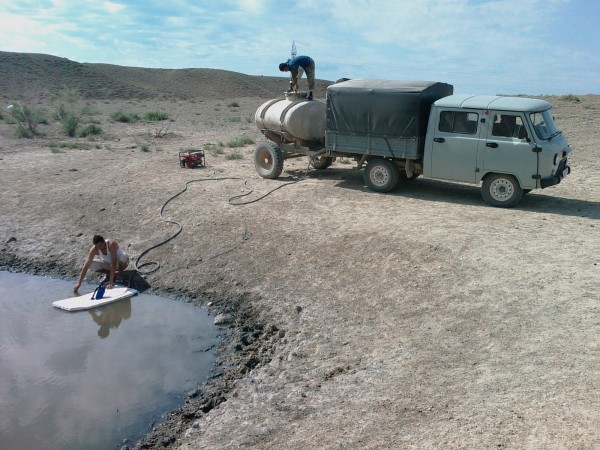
{"x": 448, "y": 192}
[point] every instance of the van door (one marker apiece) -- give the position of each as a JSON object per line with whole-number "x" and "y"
{"x": 455, "y": 143}
{"x": 508, "y": 148}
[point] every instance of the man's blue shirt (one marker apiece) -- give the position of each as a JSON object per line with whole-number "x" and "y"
{"x": 298, "y": 61}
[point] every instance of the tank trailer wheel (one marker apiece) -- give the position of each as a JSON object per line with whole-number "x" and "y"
{"x": 381, "y": 175}
{"x": 501, "y": 190}
{"x": 321, "y": 162}
{"x": 268, "y": 159}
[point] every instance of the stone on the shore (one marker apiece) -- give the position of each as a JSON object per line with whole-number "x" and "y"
{"x": 223, "y": 319}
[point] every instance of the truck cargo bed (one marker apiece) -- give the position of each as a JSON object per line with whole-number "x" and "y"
{"x": 380, "y": 117}
{"x": 372, "y": 145}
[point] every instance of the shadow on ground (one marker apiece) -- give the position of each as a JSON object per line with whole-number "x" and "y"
{"x": 136, "y": 281}
{"x": 447, "y": 192}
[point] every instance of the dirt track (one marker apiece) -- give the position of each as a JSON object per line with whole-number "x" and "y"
{"x": 416, "y": 319}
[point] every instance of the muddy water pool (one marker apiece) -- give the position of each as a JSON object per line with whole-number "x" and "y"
{"x": 93, "y": 379}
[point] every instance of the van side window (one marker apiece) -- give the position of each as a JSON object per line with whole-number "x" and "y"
{"x": 509, "y": 125}
{"x": 458, "y": 122}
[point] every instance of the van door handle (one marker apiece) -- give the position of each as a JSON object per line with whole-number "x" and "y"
{"x": 491, "y": 144}
{"x": 440, "y": 140}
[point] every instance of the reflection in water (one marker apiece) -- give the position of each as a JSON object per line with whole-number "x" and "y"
{"x": 111, "y": 315}
{"x": 63, "y": 388}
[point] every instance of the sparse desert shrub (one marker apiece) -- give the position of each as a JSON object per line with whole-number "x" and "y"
{"x": 56, "y": 146}
{"x": 120, "y": 116}
{"x": 571, "y": 98}
{"x": 236, "y": 154}
{"x": 240, "y": 142}
{"x": 214, "y": 149}
{"x": 70, "y": 95}
{"x": 60, "y": 113}
{"x": 90, "y": 130}
{"x": 155, "y": 116}
{"x": 164, "y": 132}
{"x": 70, "y": 124}
{"x": 88, "y": 120}
{"x": 234, "y": 119}
{"x": 22, "y": 131}
{"x": 234, "y": 105}
{"x": 68, "y": 119}
{"x": 145, "y": 148}
{"x": 89, "y": 110}
{"x": 27, "y": 120}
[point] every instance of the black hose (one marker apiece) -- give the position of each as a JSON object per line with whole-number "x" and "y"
{"x": 138, "y": 266}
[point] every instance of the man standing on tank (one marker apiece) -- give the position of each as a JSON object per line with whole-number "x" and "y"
{"x": 297, "y": 66}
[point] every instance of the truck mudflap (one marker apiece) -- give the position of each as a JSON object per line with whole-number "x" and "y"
{"x": 562, "y": 171}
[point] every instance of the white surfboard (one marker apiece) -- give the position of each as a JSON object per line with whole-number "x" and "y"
{"x": 85, "y": 301}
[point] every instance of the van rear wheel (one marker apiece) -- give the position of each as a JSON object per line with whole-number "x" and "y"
{"x": 268, "y": 159}
{"x": 501, "y": 190}
{"x": 381, "y": 175}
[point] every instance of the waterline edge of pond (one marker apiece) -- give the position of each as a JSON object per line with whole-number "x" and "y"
{"x": 244, "y": 344}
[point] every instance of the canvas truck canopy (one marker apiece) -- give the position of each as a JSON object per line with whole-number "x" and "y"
{"x": 381, "y": 117}
{"x": 382, "y": 107}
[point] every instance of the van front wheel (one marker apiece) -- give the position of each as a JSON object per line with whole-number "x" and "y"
{"x": 500, "y": 190}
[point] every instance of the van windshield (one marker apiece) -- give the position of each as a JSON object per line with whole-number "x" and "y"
{"x": 544, "y": 125}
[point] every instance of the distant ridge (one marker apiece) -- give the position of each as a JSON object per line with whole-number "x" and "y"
{"x": 27, "y": 75}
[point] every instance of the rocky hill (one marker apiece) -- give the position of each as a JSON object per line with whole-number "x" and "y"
{"x": 27, "y": 75}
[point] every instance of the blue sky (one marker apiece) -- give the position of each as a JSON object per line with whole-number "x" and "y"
{"x": 480, "y": 46}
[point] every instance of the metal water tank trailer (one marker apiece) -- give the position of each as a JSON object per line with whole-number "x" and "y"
{"x": 292, "y": 119}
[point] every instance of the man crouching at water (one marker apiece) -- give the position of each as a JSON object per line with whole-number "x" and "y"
{"x": 106, "y": 257}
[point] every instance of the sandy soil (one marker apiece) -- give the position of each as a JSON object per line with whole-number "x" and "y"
{"x": 417, "y": 319}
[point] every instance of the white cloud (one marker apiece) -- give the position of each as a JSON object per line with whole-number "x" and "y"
{"x": 255, "y": 6}
{"x": 15, "y": 24}
{"x": 113, "y": 7}
{"x": 20, "y": 33}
